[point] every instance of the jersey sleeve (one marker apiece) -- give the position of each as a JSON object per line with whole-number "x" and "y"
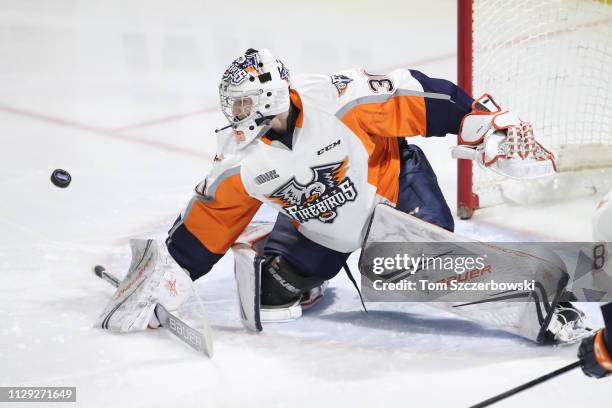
{"x": 399, "y": 104}
{"x": 211, "y": 223}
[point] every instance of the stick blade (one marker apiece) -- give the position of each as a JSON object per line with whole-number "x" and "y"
{"x": 199, "y": 341}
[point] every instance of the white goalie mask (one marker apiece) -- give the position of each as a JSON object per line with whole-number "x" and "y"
{"x": 254, "y": 89}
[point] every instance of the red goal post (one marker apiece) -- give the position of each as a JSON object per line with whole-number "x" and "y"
{"x": 467, "y": 200}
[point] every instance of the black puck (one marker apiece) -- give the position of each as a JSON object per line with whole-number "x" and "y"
{"x": 61, "y": 178}
{"x": 98, "y": 270}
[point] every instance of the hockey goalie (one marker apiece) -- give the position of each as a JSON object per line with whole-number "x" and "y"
{"x": 324, "y": 151}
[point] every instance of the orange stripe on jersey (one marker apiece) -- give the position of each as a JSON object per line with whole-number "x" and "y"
{"x": 383, "y": 161}
{"x": 218, "y": 223}
{"x": 374, "y": 123}
{"x": 297, "y": 101}
{"x": 397, "y": 116}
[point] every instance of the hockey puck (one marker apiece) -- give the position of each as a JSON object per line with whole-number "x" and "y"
{"x": 98, "y": 270}
{"x": 61, "y": 178}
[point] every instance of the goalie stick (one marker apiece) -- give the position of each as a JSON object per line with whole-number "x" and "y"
{"x": 199, "y": 341}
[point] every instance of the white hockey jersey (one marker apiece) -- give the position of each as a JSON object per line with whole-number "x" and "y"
{"x": 344, "y": 160}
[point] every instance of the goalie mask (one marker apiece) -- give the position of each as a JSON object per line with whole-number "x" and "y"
{"x": 253, "y": 90}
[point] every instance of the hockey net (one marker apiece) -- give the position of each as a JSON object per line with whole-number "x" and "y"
{"x": 549, "y": 61}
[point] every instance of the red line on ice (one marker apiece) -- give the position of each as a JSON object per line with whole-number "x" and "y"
{"x": 166, "y": 119}
{"x": 101, "y": 131}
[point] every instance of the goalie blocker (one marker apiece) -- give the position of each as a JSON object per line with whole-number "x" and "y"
{"x": 154, "y": 292}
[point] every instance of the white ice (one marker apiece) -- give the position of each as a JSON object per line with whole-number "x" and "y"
{"x": 123, "y": 95}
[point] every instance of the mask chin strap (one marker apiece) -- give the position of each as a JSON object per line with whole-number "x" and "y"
{"x": 258, "y": 121}
{"x": 262, "y": 119}
{"x": 265, "y": 120}
{"x": 222, "y": 129}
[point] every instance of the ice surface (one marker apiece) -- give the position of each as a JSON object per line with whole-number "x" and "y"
{"x": 122, "y": 94}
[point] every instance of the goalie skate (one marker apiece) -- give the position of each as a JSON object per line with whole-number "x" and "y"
{"x": 313, "y": 296}
{"x": 293, "y": 311}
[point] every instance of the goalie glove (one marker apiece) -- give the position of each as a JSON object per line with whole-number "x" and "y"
{"x": 499, "y": 141}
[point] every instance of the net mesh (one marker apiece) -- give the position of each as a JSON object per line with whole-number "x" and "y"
{"x": 550, "y": 62}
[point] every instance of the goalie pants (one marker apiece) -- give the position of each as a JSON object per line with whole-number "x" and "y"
{"x": 419, "y": 195}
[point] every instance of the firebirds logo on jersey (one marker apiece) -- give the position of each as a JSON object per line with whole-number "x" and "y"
{"x": 320, "y": 198}
{"x": 341, "y": 83}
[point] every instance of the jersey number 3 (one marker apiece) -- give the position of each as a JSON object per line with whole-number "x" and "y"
{"x": 379, "y": 83}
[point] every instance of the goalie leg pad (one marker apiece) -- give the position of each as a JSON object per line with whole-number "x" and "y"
{"x": 317, "y": 264}
{"x": 248, "y": 272}
{"x": 286, "y": 291}
{"x": 529, "y": 319}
